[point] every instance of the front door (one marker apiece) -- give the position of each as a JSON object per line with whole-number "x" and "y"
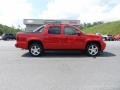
{"x": 71, "y": 39}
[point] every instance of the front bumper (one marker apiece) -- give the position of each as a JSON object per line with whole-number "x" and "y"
{"x": 103, "y": 45}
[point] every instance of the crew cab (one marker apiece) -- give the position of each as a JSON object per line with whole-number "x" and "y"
{"x": 59, "y": 37}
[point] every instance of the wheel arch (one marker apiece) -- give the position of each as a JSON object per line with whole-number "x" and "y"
{"x": 35, "y": 41}
{"x": 96, "y": 42}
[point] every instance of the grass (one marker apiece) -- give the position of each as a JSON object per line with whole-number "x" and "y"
{"x": 112, "y": 28}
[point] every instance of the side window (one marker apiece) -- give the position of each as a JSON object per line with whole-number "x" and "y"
{"x": 54, "y": 30}
{"x": 69, "y": 31}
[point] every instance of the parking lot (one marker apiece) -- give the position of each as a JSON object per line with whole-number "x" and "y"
{"x": 59, "y": 70}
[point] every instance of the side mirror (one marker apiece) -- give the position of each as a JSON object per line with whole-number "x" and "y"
{"x": 78, "y": 33}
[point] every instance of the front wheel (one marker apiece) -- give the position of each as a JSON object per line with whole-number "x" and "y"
{"x": 93, "y": 49}
{"x": 35, "y": 49}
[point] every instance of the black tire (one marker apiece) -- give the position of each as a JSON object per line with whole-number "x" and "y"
{"x": 35, "y": 49}
{"x": 93, "y": 49}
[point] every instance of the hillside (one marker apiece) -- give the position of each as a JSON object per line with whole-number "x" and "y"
{"x": 6, "y": 29}
{"x": 106, "y": 28}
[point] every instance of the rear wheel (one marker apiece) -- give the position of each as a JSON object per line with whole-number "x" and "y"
{"x": 35, "y": 49}
{"x": 93, "y": 49}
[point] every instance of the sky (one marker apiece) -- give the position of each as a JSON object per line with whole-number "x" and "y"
{"x": 12, "y": 12}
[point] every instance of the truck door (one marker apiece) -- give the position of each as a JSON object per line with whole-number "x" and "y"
{"x": 53, "y": 38}
{"x": 71, "y": 38}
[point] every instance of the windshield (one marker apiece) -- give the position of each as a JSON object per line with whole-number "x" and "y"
{"x": 39, "y": 29}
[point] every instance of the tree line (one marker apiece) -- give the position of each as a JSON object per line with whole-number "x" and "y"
{"x": 6, "y": 29}
{"x": 13, "y": 30}
{"x": 87, "y": 25}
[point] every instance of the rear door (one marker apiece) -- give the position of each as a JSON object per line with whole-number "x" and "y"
{"x": 53, "y": 38}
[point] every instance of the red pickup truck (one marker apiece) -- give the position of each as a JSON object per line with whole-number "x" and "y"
{"x": 59, "y": 37}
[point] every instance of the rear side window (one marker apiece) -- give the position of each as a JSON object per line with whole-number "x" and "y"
{"x": 54, "y": 30}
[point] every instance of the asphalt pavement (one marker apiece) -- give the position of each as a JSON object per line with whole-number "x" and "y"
{"x": 68, "y": 70}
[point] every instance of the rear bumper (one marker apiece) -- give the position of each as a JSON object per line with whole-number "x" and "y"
{"x": 21, "y": 45}
{"x": 16, "y": 45}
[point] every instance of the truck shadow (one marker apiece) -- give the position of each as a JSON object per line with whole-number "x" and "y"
{"x": 72, "y": 54}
